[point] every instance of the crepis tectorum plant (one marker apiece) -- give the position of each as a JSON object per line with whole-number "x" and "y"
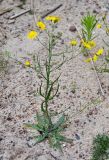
{"x": 48, "y": 89}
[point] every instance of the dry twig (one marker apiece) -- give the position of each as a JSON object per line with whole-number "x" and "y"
{"x": 19, "y": 14}
{"x": 51, "y": 11}
{"x": 5, "y": 10}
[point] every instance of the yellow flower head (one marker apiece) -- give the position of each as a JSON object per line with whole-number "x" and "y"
{"x": 86, "y": 45}
{"x": 41, "y": 25}
{"x": 92, "y": 43}
{"x": 27, "y": 63}
{"x": 95, "y": 58}
{"x": 32, "y": 35}
{"x": 89, "y": 44}
{"x": 99, "y": 52}
{"x": 88, "y": 60}
{"x": 98, "y": 25}
{"x": 73, "y": 42}
{"x": 53, "y": 19}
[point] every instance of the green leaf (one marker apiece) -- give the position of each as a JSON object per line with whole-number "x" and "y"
{"x": 59, "y": 122}
{"x": 34, "y": 126}
{"x": 88, "y": 22}
{"x": 64, "y": 139}
{"x": 54, "y": 142}
{"x": 39, "y": 118}
{"x": 40, "y": 138}
{"x": 42, "y": 121}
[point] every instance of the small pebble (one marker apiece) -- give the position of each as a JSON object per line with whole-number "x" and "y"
{"x": 72, "y": 29}
{"x": 82, "y": 13}
{"x": 77, "y": 136}
{"x": 95, "y": 11}
{"x": 76, "y": 121}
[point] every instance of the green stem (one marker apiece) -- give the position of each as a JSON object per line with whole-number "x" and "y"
{"x": 48, "y": 71}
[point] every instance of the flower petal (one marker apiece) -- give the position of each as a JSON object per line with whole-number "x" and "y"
{"x": 32, "y": 35}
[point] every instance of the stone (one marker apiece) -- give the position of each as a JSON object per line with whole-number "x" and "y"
{"x": 77, "y": 136}
{"x": 95, "y": 11}
{"x": 72, "y": 29}
{"x": 82, "y": 13}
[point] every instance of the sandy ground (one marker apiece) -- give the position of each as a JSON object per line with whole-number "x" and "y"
{"x": 18, "y": 85}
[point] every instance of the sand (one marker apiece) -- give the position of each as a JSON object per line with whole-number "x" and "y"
{"x": 19, "y": 84}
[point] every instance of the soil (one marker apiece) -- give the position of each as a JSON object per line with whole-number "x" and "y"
{"x": 18, "y": 84}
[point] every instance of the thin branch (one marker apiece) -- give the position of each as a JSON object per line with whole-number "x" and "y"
{"x": 40, "y": 91}
{"x": 55, "y": 93}
{"x": 56, "y": 80}
{"x": 44, "y": 45}
{"x": 94, "y": 68}
{"x": 42, "y": 107}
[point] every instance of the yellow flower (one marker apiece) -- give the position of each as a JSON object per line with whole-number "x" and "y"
{"x": 73, "y": 42}
{"x": 54, "y": 19}
{"x": 32, "y": 35}
{"x": 88, "y": 60}
{"x": 95, "y": 58}
{"x": 27, "y": 63}
{"x": 89, "y": 44}
{"x": 99, "y": 52}
{"x": 86, "y": 45}
{"x": 98, "y": 25}
{"x": 41, "y": 25}
{"x": 92, "y": 43}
